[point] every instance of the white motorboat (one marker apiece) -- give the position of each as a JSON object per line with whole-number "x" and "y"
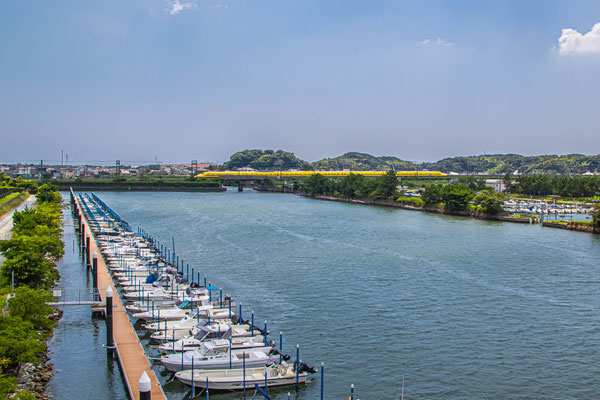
{"x": 238, "y": 379}
{"x": 208, "y": 332}
{"x": 215, "y": 354}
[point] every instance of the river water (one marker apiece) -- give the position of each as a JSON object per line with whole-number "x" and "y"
{"x": 458, "y": 308}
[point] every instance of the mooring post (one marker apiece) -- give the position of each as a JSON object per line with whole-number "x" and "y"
{"x": 322, "y": 378}
{"x": 297, "y": 364}
{"x": 240, "y": 322}
{"x": 87, "y": 250}
{"x": 110, "y": 342}
{"x": 95, "y": 275}
{"x": 221, "y": 298}
{"x": 145, "y": 386}
{"x": 352, "y": 392}
{"x": 252, "y": 325}
{"x": 266, "y": 333}
{"x": 280, "y": 347}
{"x": 82, "y": 240}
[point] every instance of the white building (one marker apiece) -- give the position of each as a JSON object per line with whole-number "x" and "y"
{"x": 497, "y": 184}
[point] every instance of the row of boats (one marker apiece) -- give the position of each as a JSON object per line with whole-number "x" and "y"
{"x": 193, "y": 326}
{"x": 542, "y": 207}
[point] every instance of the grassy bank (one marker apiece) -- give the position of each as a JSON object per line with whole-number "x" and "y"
{"x": 10, "y": 201}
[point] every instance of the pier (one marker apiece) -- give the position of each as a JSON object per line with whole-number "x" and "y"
{"x": 130, "y": 353}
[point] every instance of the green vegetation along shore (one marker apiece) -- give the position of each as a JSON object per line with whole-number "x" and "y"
{"x": 469, "y": 196}
{"x": 27, "y": 274}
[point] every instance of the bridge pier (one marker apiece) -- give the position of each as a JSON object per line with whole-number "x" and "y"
{"x": 240, "y": 187}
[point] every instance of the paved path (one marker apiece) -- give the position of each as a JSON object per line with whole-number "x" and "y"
{"x": 6, "y": 220}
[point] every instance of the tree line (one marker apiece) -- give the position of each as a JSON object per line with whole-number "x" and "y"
{"x": 352, "y": 186}
{"x": 27, "y": 273}
{"x": 564, "y": 186}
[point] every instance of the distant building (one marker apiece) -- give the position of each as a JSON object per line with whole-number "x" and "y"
{"x": 497, "y": 184}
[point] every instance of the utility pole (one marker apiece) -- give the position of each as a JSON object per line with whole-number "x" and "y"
{"x": 61, "y": 158}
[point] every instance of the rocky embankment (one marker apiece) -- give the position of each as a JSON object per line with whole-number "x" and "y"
{"x": 34, "y": 377}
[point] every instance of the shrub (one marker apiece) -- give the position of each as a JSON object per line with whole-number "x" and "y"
{"x": 413, "y": 201}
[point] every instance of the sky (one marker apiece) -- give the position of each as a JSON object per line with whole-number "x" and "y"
{"x": 175, "y": 81}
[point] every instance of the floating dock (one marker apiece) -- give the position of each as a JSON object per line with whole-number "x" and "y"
{"x": 128, "y": 348}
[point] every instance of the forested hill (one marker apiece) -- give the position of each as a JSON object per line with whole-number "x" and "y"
{"x": 363, "y": 162}
{"x": 502, "y": 163}
{"x": 495, "y": 164}
{"x": 266, "y": 160}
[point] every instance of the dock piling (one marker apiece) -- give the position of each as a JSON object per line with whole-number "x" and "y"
{"x": 95, "y": 275}
{"x": 322, "y": 378}
{"x": 87, "y": 250}
{"x": 297, "y": 365}
{"x": 110, "y": 341}
{"x": 145, "y": 386}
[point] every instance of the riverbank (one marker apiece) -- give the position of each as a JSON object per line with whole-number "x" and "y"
{"x": 579, "y": 226}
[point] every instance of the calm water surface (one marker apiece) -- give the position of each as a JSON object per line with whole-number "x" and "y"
{"x": 463, "y": 309}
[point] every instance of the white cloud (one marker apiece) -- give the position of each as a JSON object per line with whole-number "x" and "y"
{"x": 436, "y": 42}
{"x": 177, "y": 7}
{"x": 573, "y": 42}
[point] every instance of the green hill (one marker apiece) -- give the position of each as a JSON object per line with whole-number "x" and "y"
{"x": 499, "y": 164}
{"x": 363, "y": 162}
{"x": 492, "y": 164}
{"x": 266, "y": 160}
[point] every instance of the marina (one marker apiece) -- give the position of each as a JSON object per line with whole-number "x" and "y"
{"x": 152, "y": 277}
{"x": 439, "y": 295}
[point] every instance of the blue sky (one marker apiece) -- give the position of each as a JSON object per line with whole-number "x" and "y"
{"x": 201, "y": 79}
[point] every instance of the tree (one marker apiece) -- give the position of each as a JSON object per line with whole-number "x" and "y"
{"x": 18, "y": 342}
{"x": 350, "y": 186}
{"x": 387, "y": 185}
{"x": 32, "y": 305}
{"x": 317, "y": 184}
{"x": 456, "y": 197}
{"x": 48, "y": 193}
{"x": 473, "y": 183}
{"x": 432, "y": 194}
{"x": 491, "y": 203}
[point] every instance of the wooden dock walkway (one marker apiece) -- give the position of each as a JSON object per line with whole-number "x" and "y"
{"x": 129, "y": 350}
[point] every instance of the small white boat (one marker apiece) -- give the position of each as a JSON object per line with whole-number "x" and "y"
{"x": 209, "y": 332}
{"x": 237, "y": 379}
{"x": 215, "y": 354}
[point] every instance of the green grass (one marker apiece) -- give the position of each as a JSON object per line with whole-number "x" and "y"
{"x": 9, "y": 202}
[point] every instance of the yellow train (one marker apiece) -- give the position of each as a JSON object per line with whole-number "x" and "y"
{"x": 304, "y": 174}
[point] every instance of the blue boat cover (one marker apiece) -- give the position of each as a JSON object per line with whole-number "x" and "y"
{"x": 151, "y": 278}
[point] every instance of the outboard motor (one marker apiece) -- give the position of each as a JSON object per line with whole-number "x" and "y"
{"x": 276, "y": 352}
{"x": 235, "y": 319}
{"x": 188, "y": 291}
{"x": 304, "y": 367}
{"x": 193, "y": 285}
{"x": 151, "y": 278}
{"x": 183, "y": 280}
{"x": 178, "y": 302}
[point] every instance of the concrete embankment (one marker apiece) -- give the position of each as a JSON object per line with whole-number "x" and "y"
{"x": 573, "y": 226}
